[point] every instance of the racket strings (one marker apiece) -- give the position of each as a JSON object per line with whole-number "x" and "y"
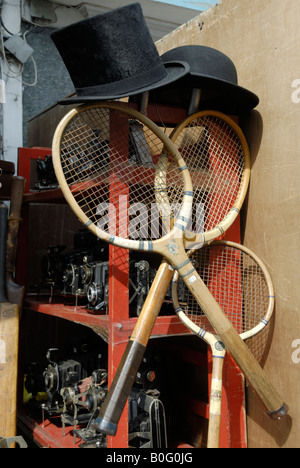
{"x": 109, "y": 162}
{"x": 214, "y": 155}
{"x": 237, "y": 283}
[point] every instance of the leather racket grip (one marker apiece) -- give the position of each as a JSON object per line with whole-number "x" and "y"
{"x": 113, "y": 406}
{"x": 3, "y": 232}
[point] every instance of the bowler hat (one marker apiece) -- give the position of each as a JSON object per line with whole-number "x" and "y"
{"x": 214, "y": 74}
{"x": 112, "y": 55}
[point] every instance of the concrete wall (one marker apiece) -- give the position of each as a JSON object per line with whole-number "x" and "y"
{"x": 262, "y": 38}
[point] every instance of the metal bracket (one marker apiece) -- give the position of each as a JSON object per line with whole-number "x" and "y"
{"x": 9, "y": 441}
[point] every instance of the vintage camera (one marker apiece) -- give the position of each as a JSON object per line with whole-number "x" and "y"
{"x": 46, "y": 178}
{"x": 66, "y": 272}
{"x": 83, "y": 273}
{"x": 60, "y": 373}
{"x": 76, "y": 387}
{"x": 96, "y": 277}
{"x": 82, "y": 401}
{"x": 140, "y": 279}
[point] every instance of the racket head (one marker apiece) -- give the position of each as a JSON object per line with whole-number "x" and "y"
{"x": 240, "y": 283}
{"x": 218, "y": 157}
{"x": 105, "y": 158}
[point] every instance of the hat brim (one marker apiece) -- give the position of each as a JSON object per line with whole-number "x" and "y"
{"x": 175, "y": 71}
{"x": 236, "y": 96}
{"x": 216, "y": 94}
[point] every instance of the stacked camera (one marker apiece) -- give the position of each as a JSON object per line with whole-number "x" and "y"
{"x": 83, "y": 273}
{"x": 71, "y": 388}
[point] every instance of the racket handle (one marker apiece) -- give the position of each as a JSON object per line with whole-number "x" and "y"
{"x": 115, "y": 400}
{"x": 275, "y": 405}
{"x": 215, "y": 404}
{"x": 113, "y": 405}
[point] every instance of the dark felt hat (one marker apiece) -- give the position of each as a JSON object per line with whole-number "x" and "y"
{"x": 112, "y": 56}
{"x": 214, "y": 74}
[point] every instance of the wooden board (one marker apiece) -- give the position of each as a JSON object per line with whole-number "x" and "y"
{"x": 262, "y": 40}
{"x": 9, "y": 340}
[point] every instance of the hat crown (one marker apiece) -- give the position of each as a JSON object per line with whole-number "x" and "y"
{"x": 205, "y": 61}
{"x": 108, "y": 48}
{"x": 212, "y": 72}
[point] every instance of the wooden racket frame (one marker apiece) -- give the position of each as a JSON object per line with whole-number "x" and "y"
{"x": 172, "y": 248}
{"x": 224, "y": 225}
{"x": 216, "y": 344}
{"x": 169, "y": 149}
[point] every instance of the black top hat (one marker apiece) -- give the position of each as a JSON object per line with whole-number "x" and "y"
{"x": 112, "y": 55}
{"x": 214, "y": 74}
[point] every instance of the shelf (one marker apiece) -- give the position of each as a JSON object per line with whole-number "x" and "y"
{"x": 44, "y": 196}
{"x": 72, "y": 313}
{"x": 48, "y": 433}
{"x": 165, "y": 325}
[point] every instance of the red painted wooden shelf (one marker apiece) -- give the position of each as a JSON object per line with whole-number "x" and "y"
{"x": 48, "y": 433}
{"x": 164, "y": 326}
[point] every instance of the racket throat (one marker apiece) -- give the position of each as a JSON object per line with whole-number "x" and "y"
{"x": 171, "y": 247}
{"x": 218, "y": 347}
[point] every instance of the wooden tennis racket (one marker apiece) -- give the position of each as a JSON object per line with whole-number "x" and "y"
{"x": 111, "y": 184}
{"x": 241, "y": 284}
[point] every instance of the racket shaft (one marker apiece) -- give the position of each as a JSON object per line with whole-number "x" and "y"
{"x": 213, "y": 440}
{"x": 120, "y": 389}
{"x": 233, "y": 342}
